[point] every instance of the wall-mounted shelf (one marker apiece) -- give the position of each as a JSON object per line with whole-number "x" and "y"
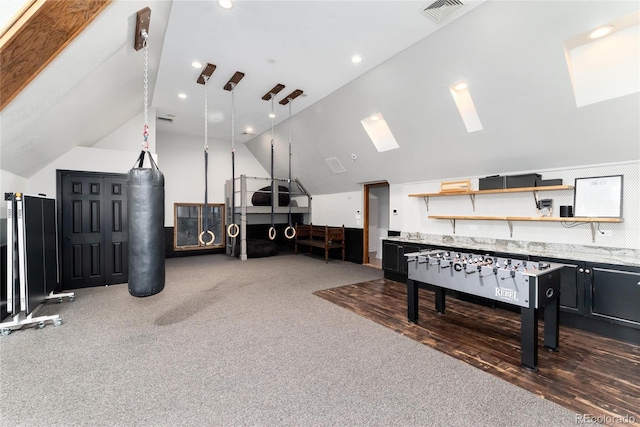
{"x": 472, "y": 194}
{"x": 511, "y": 219}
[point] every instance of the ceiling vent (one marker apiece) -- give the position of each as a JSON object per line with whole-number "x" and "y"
{"x": 335, "y": 165}
{"x": 165, "y": 119}
{"x": 439, "y": 10}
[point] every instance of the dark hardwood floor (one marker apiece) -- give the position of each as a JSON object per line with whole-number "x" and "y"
{"x": 590, "y": 374}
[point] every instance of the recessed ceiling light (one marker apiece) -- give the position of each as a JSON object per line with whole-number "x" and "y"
{"x": 248, "y": 129}
{"x": 375, "y": 117}
{"x": 225, "y": 4}
{"x": 182, "y": 95}
{"x": 600, "y": 32}
{"x": 271, "y": 115}
{"x": 196, "y": 64}
{"x": 271, "y": 61}
{"x": 460, "y": 86}
{"x": 356, "y": 59}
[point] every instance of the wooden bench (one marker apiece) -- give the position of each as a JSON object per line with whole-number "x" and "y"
{"x": 320, "y": 236}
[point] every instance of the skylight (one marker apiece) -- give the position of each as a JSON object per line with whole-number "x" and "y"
{"x": 379, "y": 133}
{"x": 462, "y": 98}
{"x": 607, "y": 67}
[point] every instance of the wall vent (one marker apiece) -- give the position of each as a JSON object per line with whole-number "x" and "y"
{"x": 165, "y": 119}
{"x": 439, "y": 10}
{"x": 335, "y": 165}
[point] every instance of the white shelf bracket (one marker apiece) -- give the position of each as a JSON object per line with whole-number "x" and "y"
{"x": 473, "y": 201}
{"x": 510, "y": 228}
{"x": 593, "y": 232}
{"x": 453, "y": 225}
{"x": 426, "y": 202}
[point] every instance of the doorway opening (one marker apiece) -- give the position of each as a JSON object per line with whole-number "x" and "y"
{"x": 376, "y": 222}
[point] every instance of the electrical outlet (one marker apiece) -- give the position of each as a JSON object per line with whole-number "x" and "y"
{"x": 607, "y": 233}
{"x": 473, "y": 227}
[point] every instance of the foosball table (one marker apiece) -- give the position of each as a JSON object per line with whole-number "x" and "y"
{"x": 527, "y": 284}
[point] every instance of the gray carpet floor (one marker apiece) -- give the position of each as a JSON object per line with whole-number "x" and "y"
{"x": 240, "y": 343}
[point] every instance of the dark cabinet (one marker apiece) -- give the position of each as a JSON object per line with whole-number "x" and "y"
{"x": 615, "y": 295}
{"x": 572, "y": 284}
{"x": 393, "y": 258}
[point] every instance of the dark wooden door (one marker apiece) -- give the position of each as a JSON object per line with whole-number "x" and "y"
{"x": 116, "y": 236}
{"x": 93, "y": 229}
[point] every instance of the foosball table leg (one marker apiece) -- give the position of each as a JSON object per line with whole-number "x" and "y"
{"x": 552, "y": 325}
{"x": 412, "y": 301}
{"x": 529, "y": 338}
{"x": 440, "y": 300}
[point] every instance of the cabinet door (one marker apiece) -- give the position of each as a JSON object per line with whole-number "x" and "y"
{"x": 572, "y": 288}
{"x": 615, "y": 294}
{"x": 572, "y": 284}
{"x": 390, "y": 256}
{"x": 406, "y": 249}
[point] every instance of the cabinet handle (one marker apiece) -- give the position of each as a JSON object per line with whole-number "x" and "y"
{"x": 581, "y": 270}
{"x": 587, "y": 271}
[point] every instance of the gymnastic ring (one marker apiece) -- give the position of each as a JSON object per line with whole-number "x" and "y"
{"x": 293, "y": 232}
{"x": 272, "y": 233}
{"x": 235, "y": 227}
{"x": 213, "y": 237}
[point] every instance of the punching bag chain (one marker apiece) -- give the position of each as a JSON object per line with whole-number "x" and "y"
{"x": 145, "y": 133}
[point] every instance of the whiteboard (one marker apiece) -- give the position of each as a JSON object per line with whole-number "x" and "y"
{"x": 598, "y": 197}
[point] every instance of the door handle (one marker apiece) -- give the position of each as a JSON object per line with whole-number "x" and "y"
{"x": 581, "y": 270}
{"x": 587, "y": 271}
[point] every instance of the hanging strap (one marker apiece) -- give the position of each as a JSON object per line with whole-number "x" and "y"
{"x": 205, "y": 213}
{"x": 272, "y": 230}
{"x": 140, "y": 160}
{"x": 290, "y": 231}
{"x": 233, "y": 230}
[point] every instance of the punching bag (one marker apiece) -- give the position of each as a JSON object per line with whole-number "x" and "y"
{"x": 145, "y": 214}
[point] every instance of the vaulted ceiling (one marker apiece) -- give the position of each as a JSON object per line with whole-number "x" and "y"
{"x": 511, "y": 54}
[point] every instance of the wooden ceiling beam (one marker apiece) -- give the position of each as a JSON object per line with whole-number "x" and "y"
{"x": 234, "y": 80}
{"x": 293, "y": 95}
{"x": 273, "y": 92}
{"x": 207, "y": 71}
{"x": 38, "y": 37}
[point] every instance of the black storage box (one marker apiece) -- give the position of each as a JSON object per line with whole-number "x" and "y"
{"x": 520, "y": 181}
{"x": 548, "y": 182}
{"x": 492, "y": 183}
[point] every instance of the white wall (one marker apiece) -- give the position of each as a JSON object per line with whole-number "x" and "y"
{"x": 115, "y": 153}
{"x": 413, "y": 215}
{"x": 382, "y": 195}
{"x": 338, "y": 209}
{"x": 184, "y": 169}
{"x": 374, "y": 222}
{"x": 82, "y": 159}
{"x": 129, "y": 137}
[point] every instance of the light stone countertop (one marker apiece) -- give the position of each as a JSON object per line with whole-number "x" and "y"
{"x": 599, "y": 254}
